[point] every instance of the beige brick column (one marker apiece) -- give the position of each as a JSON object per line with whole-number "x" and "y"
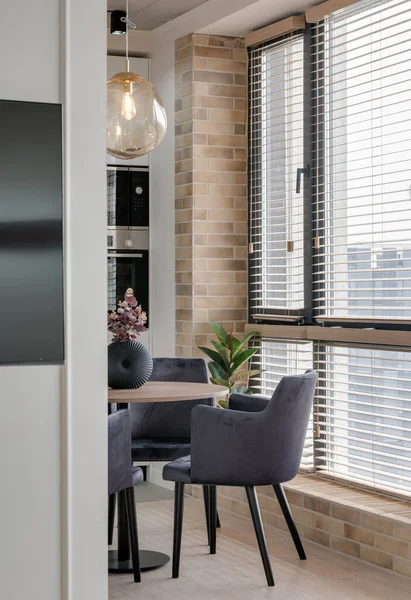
{"x": 211, "y": 187}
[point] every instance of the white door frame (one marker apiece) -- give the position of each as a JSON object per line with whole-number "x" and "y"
{"x": 84, "y": 378}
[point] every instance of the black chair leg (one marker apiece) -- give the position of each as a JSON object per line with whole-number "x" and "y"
{"x": 285, "y": 507}
{"x": 178, "y": 527}
{"x": 206, "y": 496}
{"x": 213, "y": 518}
{"x": 111, "y": 517}
{"x": 132, "y": 526}
{"x": 259, "y": 531}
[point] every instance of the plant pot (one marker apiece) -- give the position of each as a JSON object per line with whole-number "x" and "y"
{"x": 130, "y": 365}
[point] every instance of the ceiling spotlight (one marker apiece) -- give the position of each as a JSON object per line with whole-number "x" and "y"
{"x": 118, "y": 25}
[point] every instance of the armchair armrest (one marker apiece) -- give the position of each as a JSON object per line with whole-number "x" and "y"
{"x": 226, "y": 446}
{"x": 248, "y": 402}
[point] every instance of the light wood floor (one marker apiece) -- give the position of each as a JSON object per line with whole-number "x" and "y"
{"x": 236, "y": 573}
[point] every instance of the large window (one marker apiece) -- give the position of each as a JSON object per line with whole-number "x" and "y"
{"x": 330, "y": 230}
{"x": 276, "y": 151}
{"x": 364, "y": 407}
{"x": 362, "y": 181}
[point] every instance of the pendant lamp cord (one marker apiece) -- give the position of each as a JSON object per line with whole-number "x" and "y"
{"x": 128, "y": 23}
{"x": 127, "y": 31}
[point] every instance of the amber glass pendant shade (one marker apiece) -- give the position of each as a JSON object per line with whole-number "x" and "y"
{"x": 136, "y": 117}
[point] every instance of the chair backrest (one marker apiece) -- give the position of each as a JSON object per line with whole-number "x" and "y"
{"x": 169, "y": 419}
{"x": 119, "y": 451}
{"x": 240, "y": 448}
{"x": 287, "y": 416}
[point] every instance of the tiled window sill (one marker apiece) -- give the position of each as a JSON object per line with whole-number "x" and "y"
{"x": 352, "y": 498}
{"x": 363, "y": 524}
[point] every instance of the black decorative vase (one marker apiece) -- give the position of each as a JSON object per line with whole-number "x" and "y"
{"x": 130, "y": 365}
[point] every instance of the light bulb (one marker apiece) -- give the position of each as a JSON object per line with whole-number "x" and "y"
{"x": 128, "y": 107}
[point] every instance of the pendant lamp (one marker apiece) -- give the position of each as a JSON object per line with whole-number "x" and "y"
{"x": 136, "y": 117}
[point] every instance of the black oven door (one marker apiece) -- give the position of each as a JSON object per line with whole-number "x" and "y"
{"x": 128, "y": 269}
{"x": 127, "y": 197}
{"x": 118, "y": 193}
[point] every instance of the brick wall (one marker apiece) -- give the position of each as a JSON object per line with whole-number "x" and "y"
{"x": 211, "y": 186}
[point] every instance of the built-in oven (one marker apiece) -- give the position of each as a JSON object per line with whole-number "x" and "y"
{"x": 128, "y": 266}
{"x": 127, "y": 197}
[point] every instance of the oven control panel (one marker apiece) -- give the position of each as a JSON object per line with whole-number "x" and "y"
{"x": 128, "y": 239}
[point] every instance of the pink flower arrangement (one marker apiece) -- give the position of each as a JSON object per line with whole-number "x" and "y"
{"x": 128, "y": 321}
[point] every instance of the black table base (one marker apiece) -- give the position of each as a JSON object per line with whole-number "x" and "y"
{"x": 119, "y": 561}
{"x": 148, "y": 560}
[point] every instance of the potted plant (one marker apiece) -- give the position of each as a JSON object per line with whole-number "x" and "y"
{"x": 129, "y": 362}
{"x": 228, "y": 358}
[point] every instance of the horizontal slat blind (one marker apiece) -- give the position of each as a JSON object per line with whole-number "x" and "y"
{"x": 362, "y": 162}
{"x": 112, "y": 283}
{"x": 364, "y": 409}
{"x": 275, "y": 152}
{"x": 280, "y": 358}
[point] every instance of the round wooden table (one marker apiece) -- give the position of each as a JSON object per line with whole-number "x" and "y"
{"x": 152, "y": 391}
{"x": 167, "y": 391}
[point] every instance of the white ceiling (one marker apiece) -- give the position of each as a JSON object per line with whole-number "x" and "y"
{"x": 150, "y": 14}
{"x": 258, "y": 14}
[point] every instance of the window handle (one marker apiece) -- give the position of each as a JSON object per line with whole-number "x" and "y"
{"x": 301, "y": 171}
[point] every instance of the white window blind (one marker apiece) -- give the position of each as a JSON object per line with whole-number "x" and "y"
{"x": 280, "y": 358}
{"x": 362, "y": 163}
{"x": 276, "y": 123}
{"x": 364, "y": 410}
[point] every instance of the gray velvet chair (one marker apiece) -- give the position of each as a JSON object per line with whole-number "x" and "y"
{"x": 122, "y": 476}
{"x": 257, "y": 442}
{"x": 161, "y": 431}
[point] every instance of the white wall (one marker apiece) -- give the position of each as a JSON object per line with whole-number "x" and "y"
{"x": 30, "y": 489}
{"x": 53, "y": 419}
{"x": 162, "y": 212}
{"x": 30, "y": 396}
{"x": 84, "y": 70}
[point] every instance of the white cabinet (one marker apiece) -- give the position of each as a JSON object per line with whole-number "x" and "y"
{"x": 140, "y": 66}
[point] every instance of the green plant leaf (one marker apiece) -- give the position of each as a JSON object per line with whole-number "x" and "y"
{"x": 221, "y": 333}
{"x": 222, "y": 352}
{"x": 245, "y": 374}
{"x": 238, "y": 347}
{"x": 255, "y": 372}
{"x": 223, "y": 382}
{"x": 242, "y": 344}
{"x": 250, "y": 335}
{"x": 242, "y": 358}
{"x": 213, "y": 355}
{"x": 238, "y": 377}
{"x": 217, "y": 371}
